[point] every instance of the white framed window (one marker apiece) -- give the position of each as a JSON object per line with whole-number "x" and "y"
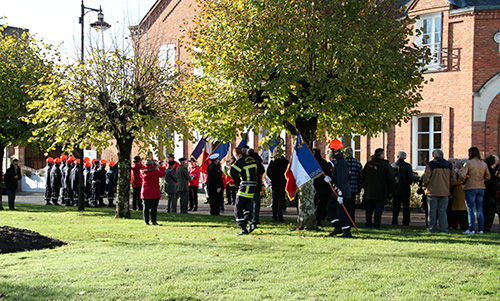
{"x": 426, "y": 136}
{"x": 431, "y": 26}
{"x": 355, "y": 144}
{"x": 166, "y": 57}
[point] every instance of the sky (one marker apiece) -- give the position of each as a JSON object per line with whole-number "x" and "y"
{"x": 56, "y": 21}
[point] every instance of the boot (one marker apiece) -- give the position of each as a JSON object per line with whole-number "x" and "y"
{"x": 244, "y": 231}
{"x": 347, "y": 233}
{"x": 47, "y": 202}
{"x": 336, "y": 231}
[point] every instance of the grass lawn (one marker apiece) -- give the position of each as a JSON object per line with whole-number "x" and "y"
{"x": 198, "y": 257}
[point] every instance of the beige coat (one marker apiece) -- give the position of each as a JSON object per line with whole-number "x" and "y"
{"x": 474, "y": 173}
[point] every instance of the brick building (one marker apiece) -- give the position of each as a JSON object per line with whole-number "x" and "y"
{"x": 460, "y": 107}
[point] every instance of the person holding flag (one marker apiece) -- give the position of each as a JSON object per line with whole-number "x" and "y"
{"x": 245, "y": 175}
{"x": 340, "y": 177}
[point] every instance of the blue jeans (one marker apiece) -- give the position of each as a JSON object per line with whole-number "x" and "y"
{"x": 11, "y": 194}
{"x": 474, "y": 200}
{"x": 437, "y": 209}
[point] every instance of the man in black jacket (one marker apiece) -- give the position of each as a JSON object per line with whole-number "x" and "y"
{"x": 276, "y": 173}
{"x": 378, "y": 181}
{"x": 322, "y": 188}
{"x": 340, "y": 177}
{"x": 215, "y": 184}
{"x": 12, "y": 176}
{"x": 404, "y": 177}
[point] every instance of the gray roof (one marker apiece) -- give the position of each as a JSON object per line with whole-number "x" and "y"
{"x": 470, "y": 3}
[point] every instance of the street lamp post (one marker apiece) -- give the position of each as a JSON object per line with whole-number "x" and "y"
{"x": 100, "y": 25}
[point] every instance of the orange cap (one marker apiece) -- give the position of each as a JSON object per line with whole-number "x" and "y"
{"x": 69, "y": 161}
{"x": 336, "y": 144}
{"x": 64, "y": 157}
{"x": 111, "y": 163}
{"x": 58, "y": 160}
{"x": 87, "y": 164}
{"x": 93, "y": 160}
{"x": 77, "y": 161}
{"x": 86, "y": 159}
{"x": 103, "y": 161}
{"x": 72, "y": 158}
{"x": 50, "y": 160}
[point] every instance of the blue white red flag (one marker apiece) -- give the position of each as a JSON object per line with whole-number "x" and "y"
{"x": 198, "y": 150}
{"x": 302, "y": 168}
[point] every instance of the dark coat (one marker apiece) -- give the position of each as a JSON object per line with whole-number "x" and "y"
{"x": 276, "y": 171}
{"x": 320, "y": 185}
{"x": 405, "y": 178}
{"x": 378, "y": 179}
{"x": 183, "y": 178}
{"x": 55, "y": 177}
{"x": 10, "y": 177}
{"x": 170, "y": 181}
{"x": 341, "y": 176}
{"x": 214, "y": 177}
{"x": 46, "y": 171}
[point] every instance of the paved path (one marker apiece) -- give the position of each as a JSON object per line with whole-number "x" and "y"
{"x": 417, "y": 219}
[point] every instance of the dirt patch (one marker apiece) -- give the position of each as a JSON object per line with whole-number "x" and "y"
{"x": 19, "y": 240}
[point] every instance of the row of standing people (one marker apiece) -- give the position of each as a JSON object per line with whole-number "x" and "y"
{"x": 62, "y": 181}
{"x": 470, "y": 186}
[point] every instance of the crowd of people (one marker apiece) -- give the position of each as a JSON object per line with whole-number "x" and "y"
{"x": 62, "y": 180}
{"x": 455, "y": 193}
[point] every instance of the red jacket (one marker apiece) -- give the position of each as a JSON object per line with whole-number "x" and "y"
{"x": 196, "y": 180}
{"x": 135, "y": 175}
{"x": 151, "y": 182}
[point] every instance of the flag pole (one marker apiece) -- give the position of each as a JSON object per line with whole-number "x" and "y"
{"x": 331, "y": 186}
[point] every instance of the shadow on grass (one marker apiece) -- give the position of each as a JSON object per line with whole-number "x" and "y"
{"x": 198, "y": 220}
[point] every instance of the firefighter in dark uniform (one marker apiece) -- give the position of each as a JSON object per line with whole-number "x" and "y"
{"x": 340, "y": 178}
{"x": 56, "y": 180}
{"x": 215, "y": 184}
{"x": 95, "y": 178}
{"x": 68, "y": 198}
{"x": 245, "y": 175}
{"x": 111, "y": 182}
{"x": 48, "y": 189}
{"x": 102, "y": 189}
{"x": 87, "y": 183}
{"x": 74, "y": 182}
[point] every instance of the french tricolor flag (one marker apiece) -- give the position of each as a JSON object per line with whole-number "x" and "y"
{"x": 302, "y": 168}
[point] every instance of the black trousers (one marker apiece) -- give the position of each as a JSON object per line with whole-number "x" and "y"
{"x": 378, "y": 207}
{"x": 193, "y": 198}
{"x": 136, "y": 198}
{"x": 279, "y": 200}
{"x": 231, "y": 194}
{"x": 243, "y": 211}
{"x": 48, "y": 194}
{"x": 150, "y": 205}
{"x": 397, "y": 201}
{"x": 336, "y": 212}
{"x": 321, "y": 200}
{"x": 216, "y": 199}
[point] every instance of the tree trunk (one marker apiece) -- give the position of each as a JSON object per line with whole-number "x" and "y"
{"x": 124, "y": 152}
{"x": 1, "y": 174}
{"x": 307, "y": 209}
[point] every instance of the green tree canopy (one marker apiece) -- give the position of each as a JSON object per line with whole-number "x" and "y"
{"x": 109, "y": 98}
{"x": 318, "y": 67}
{"x": 24, "y": 64}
